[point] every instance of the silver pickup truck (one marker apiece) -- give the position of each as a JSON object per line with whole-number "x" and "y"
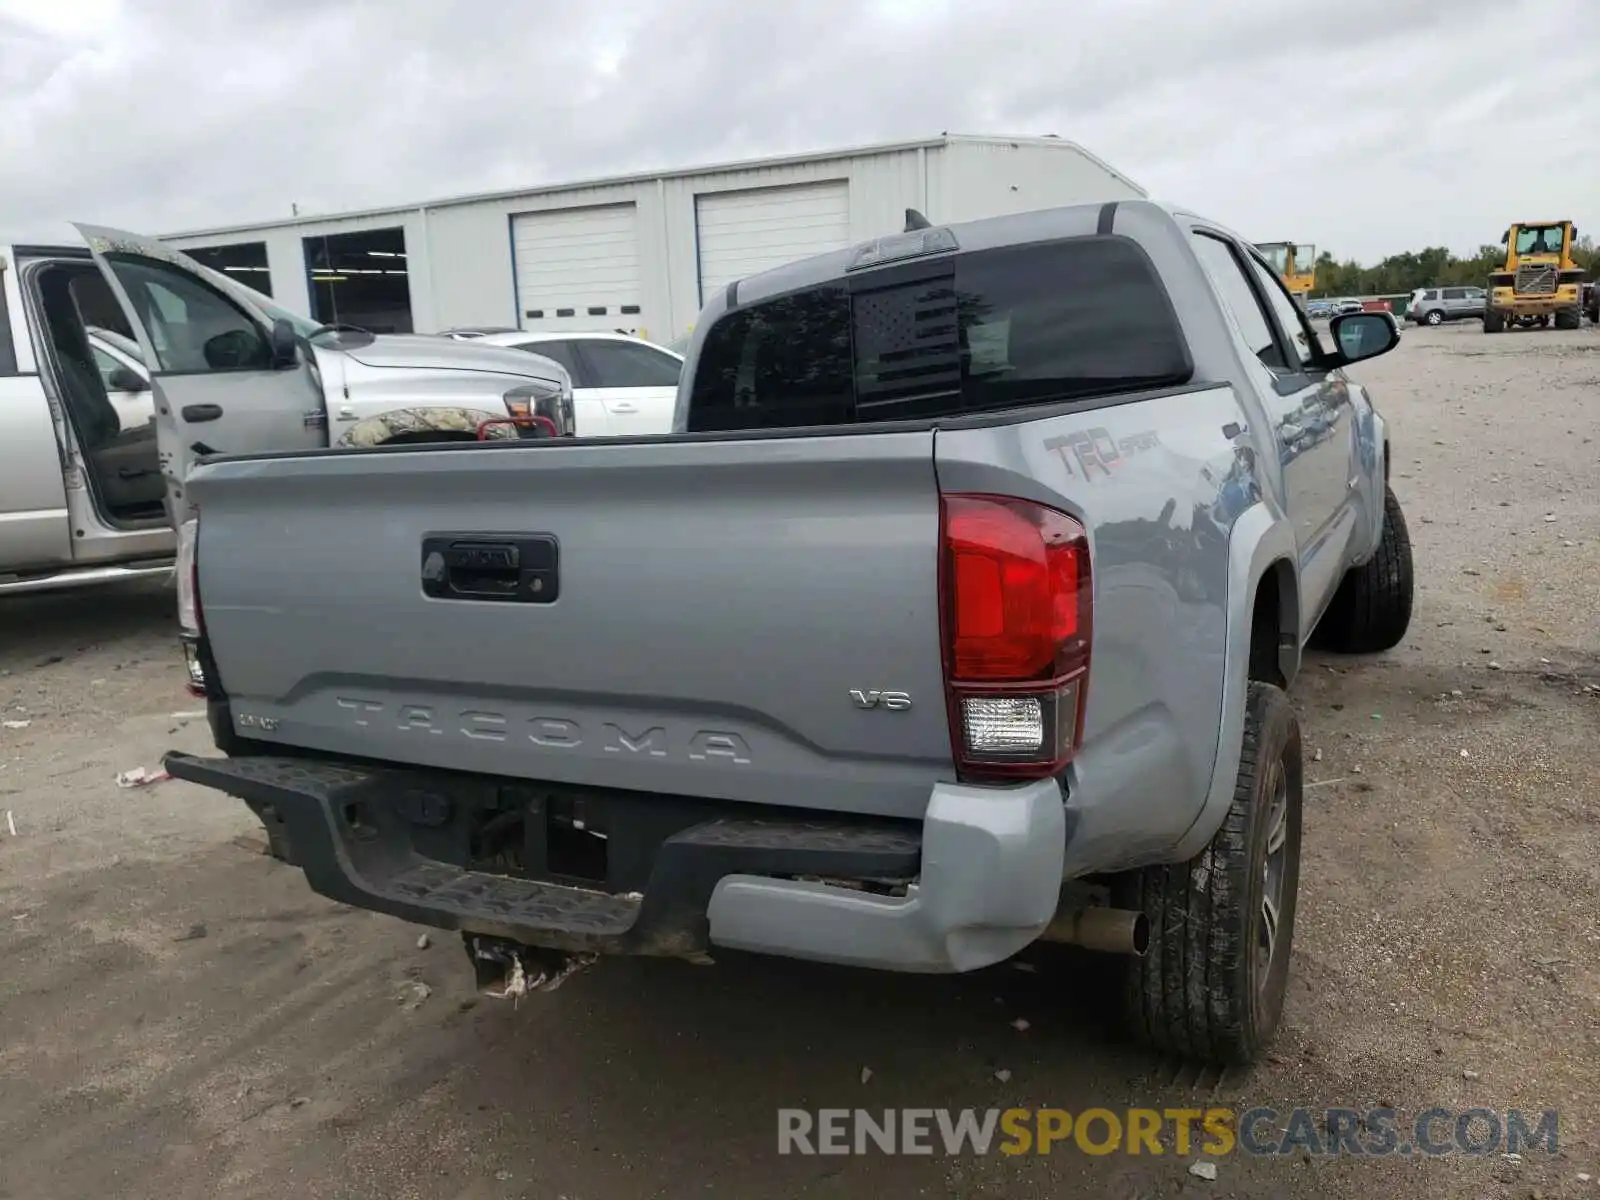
{"x": 957, "y": 615}
{"x": 124, "y": 361}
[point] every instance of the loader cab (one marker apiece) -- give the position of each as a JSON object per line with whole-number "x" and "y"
{"x": 1295, "y": 264}
{"x": 1542, "y": 240}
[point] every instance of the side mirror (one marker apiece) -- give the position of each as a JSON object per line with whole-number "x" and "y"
{"x": 126, "y": 379}
{"x": 1361, "y": 335}
{"x": 285, "y": 345}
{"x": 1505, "y": 237}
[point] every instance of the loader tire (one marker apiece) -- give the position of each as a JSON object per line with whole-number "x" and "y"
{"x": 1211, "y": 984}
{"x": 1569, "y": 318}
{"x": 1371, "y": 611}
{"x": 1493, "y": 322}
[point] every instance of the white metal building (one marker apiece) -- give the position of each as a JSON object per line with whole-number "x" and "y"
{"x": 637, "y": 252}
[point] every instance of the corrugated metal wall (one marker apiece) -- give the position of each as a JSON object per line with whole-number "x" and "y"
{"x": 474, "y": 279}
{"x": 881, "y": 187}
{"x": 286, "y": 257}
{"x": 460, "y": 256}
{"x": 995, "y": 178}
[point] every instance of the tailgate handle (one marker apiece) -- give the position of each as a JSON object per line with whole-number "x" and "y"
{"x": 195, "y": 413}
{"x": 517, "y": 569}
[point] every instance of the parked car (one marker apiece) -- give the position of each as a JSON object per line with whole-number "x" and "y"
{"x": 87, "y": 480}
{"x": 1435, "y": 306}
{"x": 620, "y": 384}
{"x": 895, "y": 669}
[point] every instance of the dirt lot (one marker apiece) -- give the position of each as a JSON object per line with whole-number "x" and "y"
{"x": 182, "y": 1018}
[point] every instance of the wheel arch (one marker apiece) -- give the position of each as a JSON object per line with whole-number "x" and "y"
{"x": 1275, "y": 625}
{"x": 1261, "y": 572}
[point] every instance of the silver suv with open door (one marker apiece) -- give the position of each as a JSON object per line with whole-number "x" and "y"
{"x": 89, "y": 481}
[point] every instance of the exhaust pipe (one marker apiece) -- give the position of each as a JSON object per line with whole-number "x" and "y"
{"x": 507, "y": 970}
{"x": 1107, "y": 930}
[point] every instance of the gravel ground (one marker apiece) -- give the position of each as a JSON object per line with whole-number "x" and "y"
{"x": 181, "y": 1017}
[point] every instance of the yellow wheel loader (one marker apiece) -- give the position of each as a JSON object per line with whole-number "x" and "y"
{"x": 1539, "y": 283}
{"x": 1296, "y": 265}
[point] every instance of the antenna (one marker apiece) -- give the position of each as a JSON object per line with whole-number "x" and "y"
{"x": 915, "y": 220}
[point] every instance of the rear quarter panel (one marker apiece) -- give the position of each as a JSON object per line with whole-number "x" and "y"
{"x": 1159, "y": 485}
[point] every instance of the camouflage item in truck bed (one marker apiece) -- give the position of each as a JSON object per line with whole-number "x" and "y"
{"x": 409, "y": 422}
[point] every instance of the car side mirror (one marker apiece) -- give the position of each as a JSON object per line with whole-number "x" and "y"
{"x": 126, "y": 379}
{"x": 1361, "y": 335}
{"x": 285, "y": 345}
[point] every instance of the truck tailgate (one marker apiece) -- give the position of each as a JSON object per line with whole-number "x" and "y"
{"x": 717, "y": 604}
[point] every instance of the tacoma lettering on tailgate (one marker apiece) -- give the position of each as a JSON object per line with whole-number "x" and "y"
{"x": 555, "y": 733}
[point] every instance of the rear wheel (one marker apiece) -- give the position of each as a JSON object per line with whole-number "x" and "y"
{"x": 1371, "y": 611}
{"x": 1493, "y": 322}
{"x": 1436, "y": 317}
{"x": 1569, "y": 318}
{"x": 1212, "y": 984}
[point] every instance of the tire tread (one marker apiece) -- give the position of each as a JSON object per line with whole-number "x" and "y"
{"x": 1372, "y": 609}
{"x": 1187, "y": 996}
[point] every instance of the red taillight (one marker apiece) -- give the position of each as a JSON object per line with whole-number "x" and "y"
{"x": 1016, "y": 614}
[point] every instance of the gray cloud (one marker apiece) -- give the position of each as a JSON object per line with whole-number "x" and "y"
{"x": 1366, "y": 126}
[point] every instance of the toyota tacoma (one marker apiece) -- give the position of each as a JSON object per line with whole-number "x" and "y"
{"x": 956, "y": 614}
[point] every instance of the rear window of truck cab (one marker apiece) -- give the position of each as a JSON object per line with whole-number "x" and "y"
{"x": 977, "y": 331}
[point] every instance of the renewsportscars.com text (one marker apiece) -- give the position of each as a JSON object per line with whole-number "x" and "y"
{"x": 1258, "y": 1132}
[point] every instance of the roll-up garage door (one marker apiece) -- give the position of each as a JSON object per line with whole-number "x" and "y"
{"x": 742, "y": 233}
{"x": 577, "y": 269}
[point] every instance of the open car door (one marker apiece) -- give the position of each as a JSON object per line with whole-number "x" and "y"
{"x": 226, "y": 378}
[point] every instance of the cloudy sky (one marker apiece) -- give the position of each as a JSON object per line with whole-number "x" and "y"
{"x": 1364, "y": 126}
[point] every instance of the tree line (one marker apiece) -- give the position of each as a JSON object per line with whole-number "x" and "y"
{"x": 1434, "y": 267}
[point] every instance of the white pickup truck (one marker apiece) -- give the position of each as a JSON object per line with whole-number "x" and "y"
{"x": 123, "y": 362}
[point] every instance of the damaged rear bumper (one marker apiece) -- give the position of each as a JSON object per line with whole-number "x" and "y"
{"x": 971, "y": 884}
